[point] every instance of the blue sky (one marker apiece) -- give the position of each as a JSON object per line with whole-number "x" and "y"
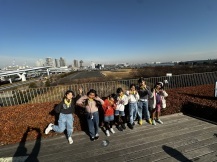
{"x": 107, "y": 31}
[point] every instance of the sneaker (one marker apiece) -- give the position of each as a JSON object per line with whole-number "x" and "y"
{"x": 130, "y": 126}
{"x": 92, "y": 138}
{"x": 107, "y": 133}
{"x": 123, "y": 126}
{"x": 119, "y": 128}
{"x": 70, "y": 140}
{"x": 153, "y": 122}
{"x": 149, "y": 121}
{"x": 159, "y": 121}
{"x": 140, "y": 122}
{"x": 49, "y": 128}
{"x": 112, "y": 130}
{"x": 97, "y": 136}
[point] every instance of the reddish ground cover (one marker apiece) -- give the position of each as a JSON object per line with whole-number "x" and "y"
{"x": 15, "y": 121}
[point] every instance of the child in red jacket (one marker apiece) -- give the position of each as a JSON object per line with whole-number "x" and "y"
{"x": 109, "y": 107}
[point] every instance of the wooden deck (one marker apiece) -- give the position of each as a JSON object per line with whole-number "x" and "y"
{"x": 180, "y": 138}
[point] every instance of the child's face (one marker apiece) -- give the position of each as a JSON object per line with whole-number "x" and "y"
{"x": 92, "y": 95}
{"x": 121, "y": 93}
{"x": 142, "y": 83}
{"x": 158, "y": 86}
{"x": 133, "y": 88}
{"x": 112, "y": 99}
{"x": 69, "y": 96}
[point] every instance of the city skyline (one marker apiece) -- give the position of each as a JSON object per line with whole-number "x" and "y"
{"x": 108, "y": 31}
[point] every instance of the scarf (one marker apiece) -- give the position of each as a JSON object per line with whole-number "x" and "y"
{"x": 67, "y": 103}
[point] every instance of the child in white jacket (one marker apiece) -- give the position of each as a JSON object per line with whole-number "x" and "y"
{"x": 122, "y": 100}
{"x": 157, "y": 101}
{"x": 133, "y": 98}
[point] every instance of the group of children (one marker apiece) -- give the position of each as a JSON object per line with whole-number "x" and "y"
{"x": 139, "y": 102}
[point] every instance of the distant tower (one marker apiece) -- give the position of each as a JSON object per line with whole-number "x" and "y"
{"x": 49, "y": 62}
{"x": 13, "y": 63}
{"x": 75, "y": 63}
{"x": 57, "y": 63}
{"x": 81, "y": 62}
{"x": 62, "y": 62}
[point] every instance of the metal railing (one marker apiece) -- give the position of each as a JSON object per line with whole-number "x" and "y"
{"x": 50, "y": 94}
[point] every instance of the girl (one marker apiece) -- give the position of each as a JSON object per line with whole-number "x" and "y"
{"x": 66, "y": 108}
{"x": 109, "y": 107}
{"x": 91, "y": 102}
{"x": 122, "y": 100}
{"x": 157, "y": 101}
{"x": 133, "y": 98}
{"x": 144, "y": 92}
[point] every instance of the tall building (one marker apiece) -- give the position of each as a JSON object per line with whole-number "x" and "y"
{"x": 40, "y": 63}
{"x": 57, "y": 63}
{"x": 75, "y": 63}
{"x": 49, "y": 62}
{"x": 92, "y": 65}
{"x": 81, "y": 62}
{"x": 62, "y": 62}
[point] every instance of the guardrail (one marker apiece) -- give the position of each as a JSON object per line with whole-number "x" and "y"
{"x": 49, "y": 94}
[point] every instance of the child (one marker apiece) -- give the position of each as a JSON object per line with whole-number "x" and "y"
{"x": 157, "y": 100}
{"x": 91, "y": 103}
{"x": 109, "y": 107}
{"x": 133, "y": 98}
{"x": 66, "y": 109}
{"x": 144, "y": 92}
{"x": 122, "y": 100}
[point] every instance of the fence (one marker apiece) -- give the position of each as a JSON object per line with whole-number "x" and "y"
{"x": 49, "y": 94}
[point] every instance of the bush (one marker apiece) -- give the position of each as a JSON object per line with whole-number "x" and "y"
{"x": 33, "y": 85}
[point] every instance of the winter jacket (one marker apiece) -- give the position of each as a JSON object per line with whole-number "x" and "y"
{"x": 152, "y": 99}
{"x": 108, "y": 108}
{"x": 132, "y": 97}
{"x": 121, "y": 102}
{"x": 91, "y": 105}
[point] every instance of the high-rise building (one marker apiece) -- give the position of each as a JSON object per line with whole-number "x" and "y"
{"x": 49, "y": 62}
{"x": 40, "y": 63}
{"x": 57, "y": 63}
{"x": 81, "y": 62}
{"x": 62, "y": 62}
{"x": 75, "y": 63}
{"x": 93, "y": 65}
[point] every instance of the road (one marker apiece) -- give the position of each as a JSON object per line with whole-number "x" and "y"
{"x": 86, "y": 74}
{"x": 81, "y": 75}
{"x": 15, "y": 84}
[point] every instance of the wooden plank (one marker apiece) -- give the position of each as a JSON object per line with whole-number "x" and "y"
{"x": 117, "y": 147}
{"x": 207, "y": 157}
{"x": 178, "y": 140}
{"x": 188, "y": 152}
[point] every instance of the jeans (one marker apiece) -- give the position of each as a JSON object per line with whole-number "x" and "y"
{"x": 65, "y": 122}
{"x": 109, "y": 118}
{"x": 143, "y": 110}
{"x": 93, "y": 123}
{"x": 121, "y": 113}
{"x": 133, "y": 107}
